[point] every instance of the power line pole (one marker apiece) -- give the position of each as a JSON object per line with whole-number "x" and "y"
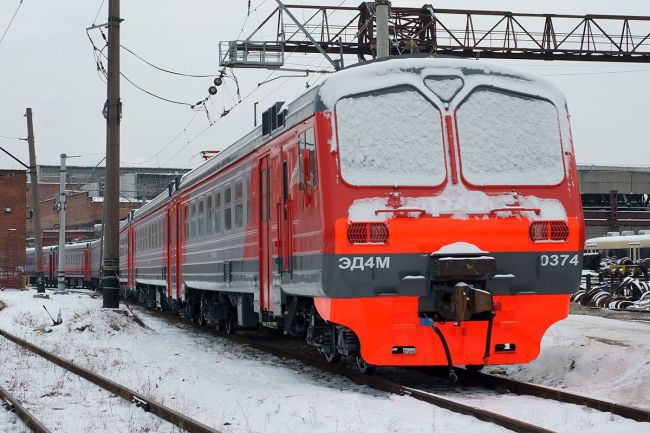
{"x": 61, "y": 261}
{"x": 36, "y": 207}
{"x": 383, "y": 38}
{"x": 111, "y": 282}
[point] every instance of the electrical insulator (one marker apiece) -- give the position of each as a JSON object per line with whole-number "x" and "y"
{"x": 212, "y": 90}
{"x": 218, "y": 81}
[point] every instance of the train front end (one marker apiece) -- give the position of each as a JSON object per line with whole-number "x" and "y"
{"x": 454, "y": 227}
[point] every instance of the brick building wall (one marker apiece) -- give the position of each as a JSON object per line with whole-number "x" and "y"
{"x": 13, "y": 220}
{"x": 82, "y": 213}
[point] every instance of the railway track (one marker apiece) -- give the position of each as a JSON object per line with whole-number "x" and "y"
{"x": 286, "y": 348}
{"x": 281, "y": 347}
{"x": 142, "y": 401}
{"x": 13, "y": 405}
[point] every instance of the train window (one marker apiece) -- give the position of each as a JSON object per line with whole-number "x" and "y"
{"x": 227, "y": 208}
{"x": 379, "y": 133}
{"x": 264, "y": 191}
{"x": 209, "y": 215}
{"x": 218, "y": 213}
{"x": 507, "y": 138}
{"x": 187, "y": 223}
{"x": 247, "y": 191}
{"x": 310, "y": 147}
{"x": 239, "y": 204}
{"x": 193, "y": 220}
{"x": 285, "y": 188}
{"x": 201, "y": 219}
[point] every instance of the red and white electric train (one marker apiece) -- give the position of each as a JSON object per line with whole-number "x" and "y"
{"x": 409, "y": 211}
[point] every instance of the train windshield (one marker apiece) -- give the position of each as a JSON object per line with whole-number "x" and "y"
{"x": 390, "y": 137}
{"x": 509, "y": 139}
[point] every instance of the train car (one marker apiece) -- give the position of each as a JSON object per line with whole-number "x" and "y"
{"x": 408, "y": 211}
{"x": 95, "y": 264}
{"x": 77, "y": 264}
{"x": 49, "y": 272}
{"x": 635, "y": 247}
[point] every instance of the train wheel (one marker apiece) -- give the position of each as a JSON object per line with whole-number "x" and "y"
{"x": 363, "y": 366}
{"x": 229, "y": 324}
{"x": 332, "y": 358}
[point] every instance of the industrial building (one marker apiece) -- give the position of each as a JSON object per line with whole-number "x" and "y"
{"x": 13, "y": 224}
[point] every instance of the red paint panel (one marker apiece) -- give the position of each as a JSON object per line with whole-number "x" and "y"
{"x": 393, "y": 321}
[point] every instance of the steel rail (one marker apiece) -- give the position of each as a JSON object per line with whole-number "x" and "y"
{"x": 26, "y": 416}
{"x": 526, "y": 388}
{"x": 359, "y": 378}
{"x": 146, "y": 403}
{"x": 392, "y": 387}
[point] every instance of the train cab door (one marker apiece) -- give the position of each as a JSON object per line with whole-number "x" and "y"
{"x": 181, "y": 237}
{"x": 265, "y": 246}
{"x": 284, "y": 211}
{"x": 170, "y": 239}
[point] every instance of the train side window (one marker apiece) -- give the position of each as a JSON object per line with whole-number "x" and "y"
{"x": 285, "y": 188}
{"x": 227, "y": 208}
{"x": 193, "y": 220}
{"x": 239, "y": 204}
{"x": 264, "y": 192}
{"x": 247, "y": 191}
{"x": 201, "y": 219}
{"x": 208, "y": 214}
{"x": 187, "y": 223}
{"x": 218, "y": 212}
{"x": 310, "y": 144}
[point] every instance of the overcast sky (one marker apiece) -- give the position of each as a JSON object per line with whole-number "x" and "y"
{"x": 47, "y": 63}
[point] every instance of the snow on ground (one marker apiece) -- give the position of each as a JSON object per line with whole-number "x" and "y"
{"x": 229, "y": 387}
{"x": 64, "y": 402}
{"x": 604, "y": 358}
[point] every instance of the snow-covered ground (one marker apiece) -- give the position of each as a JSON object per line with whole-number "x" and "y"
{"x": 604, "y": 358}
{"x": 236, "y": 389}
{"x": 229, "y": 387}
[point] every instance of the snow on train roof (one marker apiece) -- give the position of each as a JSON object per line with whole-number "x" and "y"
{"x": 365, "y": 77}
{"x": 412, "y": 71}
{"x": 604, "y": 241}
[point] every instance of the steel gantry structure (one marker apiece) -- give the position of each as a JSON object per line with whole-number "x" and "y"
{"x": 337, "y": 31}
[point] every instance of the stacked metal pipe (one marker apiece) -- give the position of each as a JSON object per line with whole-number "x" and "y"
{"x": 622, "y": 284}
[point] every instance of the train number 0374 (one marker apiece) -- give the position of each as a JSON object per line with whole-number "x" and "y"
{"x": 558, "y": 260}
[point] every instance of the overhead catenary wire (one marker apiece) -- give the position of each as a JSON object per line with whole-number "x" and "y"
{"x": 12, "y": 138}
{"x": 11, "y": 21}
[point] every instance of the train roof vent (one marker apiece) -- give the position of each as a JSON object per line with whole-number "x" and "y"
{"x": 613, "y": 234}
{"x": 644, "y": 232}
{"x": 627, "y": 233}
{"x": 274, "y": 118}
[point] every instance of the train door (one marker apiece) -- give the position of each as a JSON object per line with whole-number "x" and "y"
{"x": 284, "y": 211}
{"x": 181, "y": 238}
{"x": 265, "y": 253}
{"x": 130, "y": 256}
{"x": 170, "y": 237}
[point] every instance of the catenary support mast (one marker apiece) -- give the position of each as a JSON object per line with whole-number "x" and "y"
{"x": 61, "y": 260}
{"x": 36, "y": 206}
{"x": 383, "y": 38}
{"x": 111, "y": 283}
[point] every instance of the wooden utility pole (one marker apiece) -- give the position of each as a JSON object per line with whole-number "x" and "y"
{"x": 111, "y": 281}
{"x": 36, "y": 207}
